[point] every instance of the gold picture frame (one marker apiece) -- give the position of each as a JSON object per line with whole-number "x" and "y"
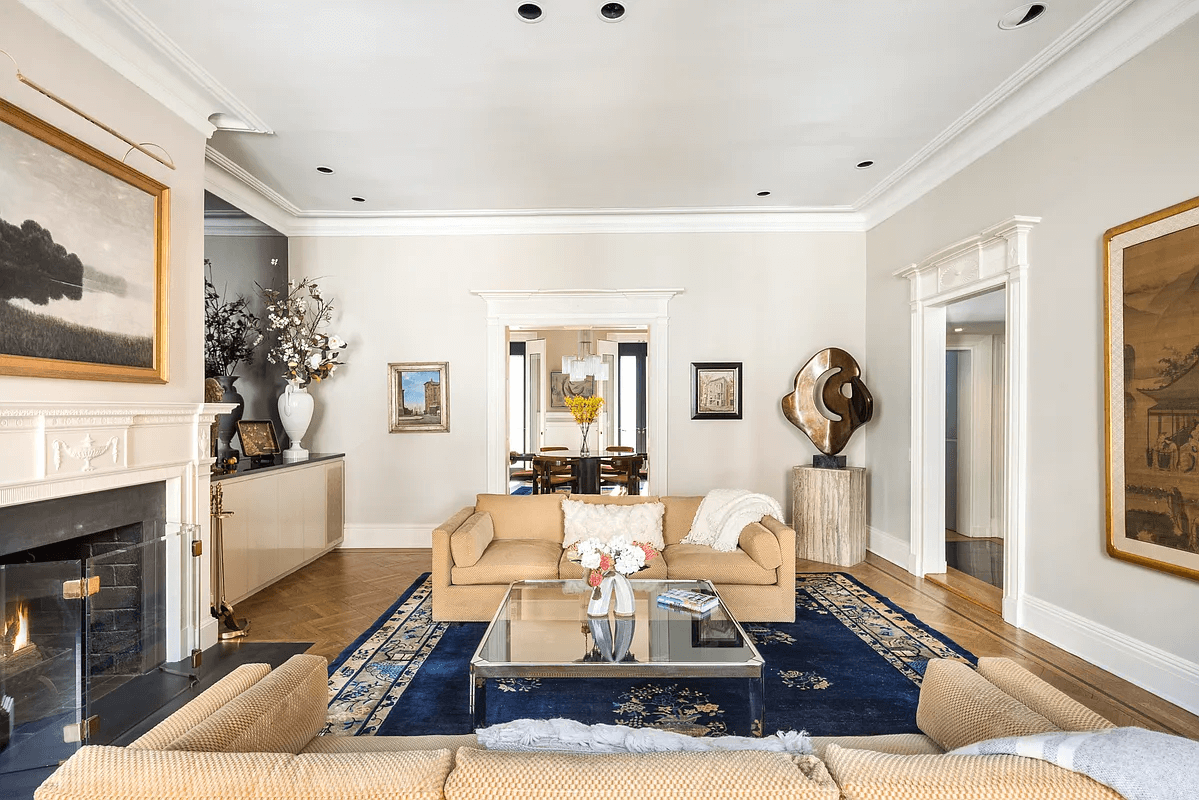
{"x": 88, "y": 297}
{"x": 1151, "y": 323}
{"x": 418, "y": 397}
{"x": 257, "y": 437}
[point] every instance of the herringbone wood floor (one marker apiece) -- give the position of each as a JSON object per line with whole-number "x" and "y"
{"x": 333, "y": 600}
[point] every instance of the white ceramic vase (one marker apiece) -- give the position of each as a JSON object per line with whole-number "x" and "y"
{"x": 295, "y": 412}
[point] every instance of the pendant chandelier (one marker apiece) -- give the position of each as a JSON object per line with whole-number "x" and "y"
{"x": 586, "y": 363}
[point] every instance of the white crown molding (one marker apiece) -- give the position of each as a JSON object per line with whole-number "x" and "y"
{"x": 123, "y": 38}
{"x": 1112, "y": 34}
{"x": 235, "y": 223}
{"x": 239, "y": 188}
{"x": 550, "y": 221}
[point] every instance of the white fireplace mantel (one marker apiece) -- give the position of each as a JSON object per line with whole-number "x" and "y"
{"x": 55, "y": 449}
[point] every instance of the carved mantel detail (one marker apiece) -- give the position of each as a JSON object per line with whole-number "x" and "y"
{"x": 86, "y": 452}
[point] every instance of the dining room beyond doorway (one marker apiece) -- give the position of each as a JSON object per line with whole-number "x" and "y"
{"x": 546, "y": 368}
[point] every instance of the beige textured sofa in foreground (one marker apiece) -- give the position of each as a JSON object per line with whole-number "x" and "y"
{"x": 253, "y": 735}
{"x": 504, "y": 538}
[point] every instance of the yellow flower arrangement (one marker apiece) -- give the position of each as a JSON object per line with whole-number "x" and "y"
{"x": 585, "y": 410}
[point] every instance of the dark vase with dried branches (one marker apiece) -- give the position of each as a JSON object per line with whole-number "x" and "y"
{"x": 231, "y": 332}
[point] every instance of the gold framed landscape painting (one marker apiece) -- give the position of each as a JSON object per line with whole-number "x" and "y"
{"x": 83, "y": 259}
{"x": 1152, "y": 324}
{"x": 418, "y": 397}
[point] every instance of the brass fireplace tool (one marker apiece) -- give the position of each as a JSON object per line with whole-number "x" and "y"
{"x": 223, "y": 610}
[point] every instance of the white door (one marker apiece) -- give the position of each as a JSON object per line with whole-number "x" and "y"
{"x": 609, "y": 390}
{"x": 536, "y": 386}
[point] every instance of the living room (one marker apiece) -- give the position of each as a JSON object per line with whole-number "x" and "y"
{"x": 1084, "y": 129}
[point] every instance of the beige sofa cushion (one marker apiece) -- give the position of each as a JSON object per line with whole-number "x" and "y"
{"x": 486, "y": 774}
{"x": 122, "y": 773}
{"x": 1054, "y": 705}
{"x": 165, "y": 733}
{"x": 958, "y": 707}
{"x": 865, "y": 775}
{"x": 536, "y": 516}
{"x": 699, "y": 562}
{"x": 471, "y": 539}
{"x": 507, "y": 560}
{"x": 655, "y": 570}
{"x": 901, "y": 744}
{"x": 680, "y": 513}
{"x": 761, "y": 545}
{"x": 278, "y": 714}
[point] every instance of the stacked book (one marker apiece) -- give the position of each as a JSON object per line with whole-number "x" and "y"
{"x": 686, "y": 600}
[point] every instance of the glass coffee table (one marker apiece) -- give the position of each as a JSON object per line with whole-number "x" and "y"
{"x": 541, "y": 630}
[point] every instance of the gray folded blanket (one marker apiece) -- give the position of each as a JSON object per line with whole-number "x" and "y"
{"x": 571, "y": 736}
{"x": 1139, "y": 764}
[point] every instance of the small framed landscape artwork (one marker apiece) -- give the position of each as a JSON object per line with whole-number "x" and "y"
{"x": 1152, "y": 324}
{"x": 561, "y": 387}
{"x": 716, "y": 390}
{"x": 83, "y": 259}
{"x": 419, "y": 397}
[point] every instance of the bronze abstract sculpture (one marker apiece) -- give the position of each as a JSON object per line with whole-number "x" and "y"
{"x": 852, "y": 411}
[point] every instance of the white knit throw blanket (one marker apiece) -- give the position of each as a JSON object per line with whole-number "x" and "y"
{"x": 567, "y": 735}
{"x": 1139, "y": 764}
{"x": 723, "y": 513}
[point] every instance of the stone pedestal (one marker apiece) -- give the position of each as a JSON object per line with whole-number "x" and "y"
{"x": 828, "y": 510}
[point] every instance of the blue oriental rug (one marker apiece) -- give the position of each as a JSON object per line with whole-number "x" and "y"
{"x": 851, "y": 664}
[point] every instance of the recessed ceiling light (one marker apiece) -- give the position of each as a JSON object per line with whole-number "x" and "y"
{"x": 325, "y": 170}
{"x": 1021, "y": 15}
{"x": 529, "y": 12}
{"x": 863, "y": 165}
{"x": 763, "y": 194}
{"x": 611, "y": 12}
{"x": 958, "y": 330}
{"x": 357, "y": 199}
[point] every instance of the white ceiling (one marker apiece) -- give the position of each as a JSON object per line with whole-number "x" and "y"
{"x": 460, "y": 107}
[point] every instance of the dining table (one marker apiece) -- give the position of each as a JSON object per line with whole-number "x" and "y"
{"x": 586, "y": 467}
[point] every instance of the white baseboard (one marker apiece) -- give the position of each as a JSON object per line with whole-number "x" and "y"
{"x": 892, "y": 548}
{"x": 387, "y": 536}
{"x": 209, "y": 631}
{"x": 1165, "y": 674}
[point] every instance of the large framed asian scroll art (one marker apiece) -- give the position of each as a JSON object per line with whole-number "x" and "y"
{"x": 1152, "y": 326}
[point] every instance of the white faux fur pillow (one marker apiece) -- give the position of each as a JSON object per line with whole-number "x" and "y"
{"x": 638, "y": 522}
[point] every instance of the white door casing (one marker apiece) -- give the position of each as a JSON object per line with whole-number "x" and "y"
{"x": 995, "y": 258}
{"x": 597, "y": 308}
{"x": 536, "y": 377}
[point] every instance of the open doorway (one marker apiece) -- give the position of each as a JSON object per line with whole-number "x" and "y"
{"x": 539, "y": 382}
{"x": 974, "y": 437}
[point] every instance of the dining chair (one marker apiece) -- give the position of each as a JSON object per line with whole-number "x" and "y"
{"x": 625, "y": 472}
{"x": 605, "y": 466}
{"x": 553, "y": 474}
{"x": 522, "y": 476}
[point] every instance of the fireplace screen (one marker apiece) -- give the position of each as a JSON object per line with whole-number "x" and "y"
{"x": 81, "y": 639}
{"x": 41, "y": 664}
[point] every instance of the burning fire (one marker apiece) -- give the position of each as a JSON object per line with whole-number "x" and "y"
{"x": 16, "y": 631}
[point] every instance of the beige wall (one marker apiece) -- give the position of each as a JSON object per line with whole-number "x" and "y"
{"x": 55, "y": 62}
{"x": 768, "y": 300}
{"x": 1122, "y": 149}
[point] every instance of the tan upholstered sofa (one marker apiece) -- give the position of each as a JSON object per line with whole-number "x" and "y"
{"x": 253, "y": 735}
{"x": 504, "y": 538}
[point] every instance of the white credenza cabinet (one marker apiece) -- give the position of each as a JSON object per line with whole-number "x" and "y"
{"x": 283, "y": 518}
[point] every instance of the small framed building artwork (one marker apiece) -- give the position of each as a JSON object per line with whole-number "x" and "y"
{"x": 716, "y": 390}
{"x": 419, "y": 395}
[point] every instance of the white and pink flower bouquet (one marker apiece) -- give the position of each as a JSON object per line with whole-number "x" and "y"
{"x": 617, "y": 555}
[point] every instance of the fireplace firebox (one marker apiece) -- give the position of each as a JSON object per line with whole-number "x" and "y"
{"x": 82, "y": 618}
